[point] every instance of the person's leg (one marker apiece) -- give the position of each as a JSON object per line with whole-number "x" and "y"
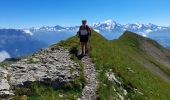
{"x": 82, "y": 48}
{"x": 86, "y": 48}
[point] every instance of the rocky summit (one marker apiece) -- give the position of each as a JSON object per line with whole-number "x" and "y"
{"x": 47, "y": 66}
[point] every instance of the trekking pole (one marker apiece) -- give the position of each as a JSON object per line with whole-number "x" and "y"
{"x": 89, "y": 45}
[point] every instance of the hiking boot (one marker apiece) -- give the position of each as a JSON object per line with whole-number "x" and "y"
{"x": 82, "y": 54}
{"x": 86, "y": 52}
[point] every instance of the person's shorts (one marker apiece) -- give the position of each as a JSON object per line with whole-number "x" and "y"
{"x": 84, "y": 38}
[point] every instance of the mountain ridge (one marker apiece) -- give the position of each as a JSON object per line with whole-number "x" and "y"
{"x": 113, "y": 30}
{"x": 122, "y": 68}
{"x": 107, "y": 25}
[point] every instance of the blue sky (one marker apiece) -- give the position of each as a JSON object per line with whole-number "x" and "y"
{"x": 36, "y": 13}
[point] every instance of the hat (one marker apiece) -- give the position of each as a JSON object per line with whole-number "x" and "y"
{"x": 84, "y": 20}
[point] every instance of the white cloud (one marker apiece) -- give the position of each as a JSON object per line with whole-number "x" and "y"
{"x": 4, "y": 55}
{"x": 97, "y": 30}
{"x": 28, "y": 32}
{"x": 148, "y": 31}
{"x": 144, "y": 35}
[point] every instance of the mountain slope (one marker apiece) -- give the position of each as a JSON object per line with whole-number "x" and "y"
{"x": 134, "y": 60}
{"x": 129, "y": 60}
{"x": 126, "y": 68}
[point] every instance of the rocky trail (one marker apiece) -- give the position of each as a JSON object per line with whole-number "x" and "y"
{"x": 53, "y": 67}
{"x": 89, "y": 91}
{"x": 47, "y": 66}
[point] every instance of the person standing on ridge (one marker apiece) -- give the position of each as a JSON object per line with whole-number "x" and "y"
{"x": 84, "y": 33}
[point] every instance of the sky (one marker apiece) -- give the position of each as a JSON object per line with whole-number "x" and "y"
{"x": 36, "y": 13}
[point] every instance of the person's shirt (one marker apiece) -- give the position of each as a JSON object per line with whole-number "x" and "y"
{"x": 84, "y": 31}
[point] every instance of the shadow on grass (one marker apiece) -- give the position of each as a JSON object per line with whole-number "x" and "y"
{"x": 75, "y": 52}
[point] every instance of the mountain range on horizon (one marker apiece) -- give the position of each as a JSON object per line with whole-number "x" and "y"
{"x": 109, "y": 24}
{"x": 48, "y": 35}
{"x": 113, "y": 30}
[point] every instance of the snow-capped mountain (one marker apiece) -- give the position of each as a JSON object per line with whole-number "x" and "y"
{"x": 137, "y": 27}
{"x": 105, "y": 27}
{"x": 108, "y": 25}
{"x": 56, "y": 28}
{"x": 112, "y": 30}
{"x": 108, "y": 28}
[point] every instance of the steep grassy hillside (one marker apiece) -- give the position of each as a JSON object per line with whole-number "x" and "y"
{"x": 132, "y": 59}
{"x": 149, "y": 76}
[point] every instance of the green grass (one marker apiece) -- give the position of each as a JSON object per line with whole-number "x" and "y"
{"x": 157, "y": 64}
{"x": 43, "y": 92}
{"x": 69, "y": 43}
{"x": 6, "y": 62}
{"x": 119, "y": 55}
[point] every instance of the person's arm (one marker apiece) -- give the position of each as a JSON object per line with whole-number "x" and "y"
{"x": 78, "y": 33}
{"x": 89, "y": 30}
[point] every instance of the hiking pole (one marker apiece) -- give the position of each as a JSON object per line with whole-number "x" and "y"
{"x": 89, "y": 42}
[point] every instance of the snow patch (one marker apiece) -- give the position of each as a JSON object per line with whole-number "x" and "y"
{"x": 4, "y": 55}
{"x": 138, "y": 24}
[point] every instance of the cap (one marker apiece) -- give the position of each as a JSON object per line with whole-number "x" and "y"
{"x": 84, "y": 20}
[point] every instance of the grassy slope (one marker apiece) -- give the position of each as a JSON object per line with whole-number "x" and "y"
{"x": 119, "y": 55}
{"x": 122, "y": 54}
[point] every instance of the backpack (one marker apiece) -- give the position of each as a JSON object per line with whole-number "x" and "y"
{"x": 87, "y": 28}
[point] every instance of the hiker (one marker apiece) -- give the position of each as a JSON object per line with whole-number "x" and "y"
{"x": 84, "y": 33}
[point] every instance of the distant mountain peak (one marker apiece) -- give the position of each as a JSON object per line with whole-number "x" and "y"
{"x": 105, "y": 25}
{"x": 109, "y": 21}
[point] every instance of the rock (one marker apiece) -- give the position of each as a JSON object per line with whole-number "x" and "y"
{"x": 137, "y": 91}
{"x": 18, "y": 65}
{"x": 130, "y": 70}
{"x": 112, "y": 77}
{"x": 124, "y": 92}
{"x": 5, "y": 94}
{"x": 4, "y": 85}
{"x": 120, "y": 96}
{"x": 60, "y": 95}
{"x": 3, "y": 73}
{"x": 53, "y": 67}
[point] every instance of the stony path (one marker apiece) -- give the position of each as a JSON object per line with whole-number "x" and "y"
{"x": 47, "y": 66}
{"x": 89, "y": 91}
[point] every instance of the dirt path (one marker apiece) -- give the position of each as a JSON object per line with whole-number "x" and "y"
{"x": 89, "y": 91}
